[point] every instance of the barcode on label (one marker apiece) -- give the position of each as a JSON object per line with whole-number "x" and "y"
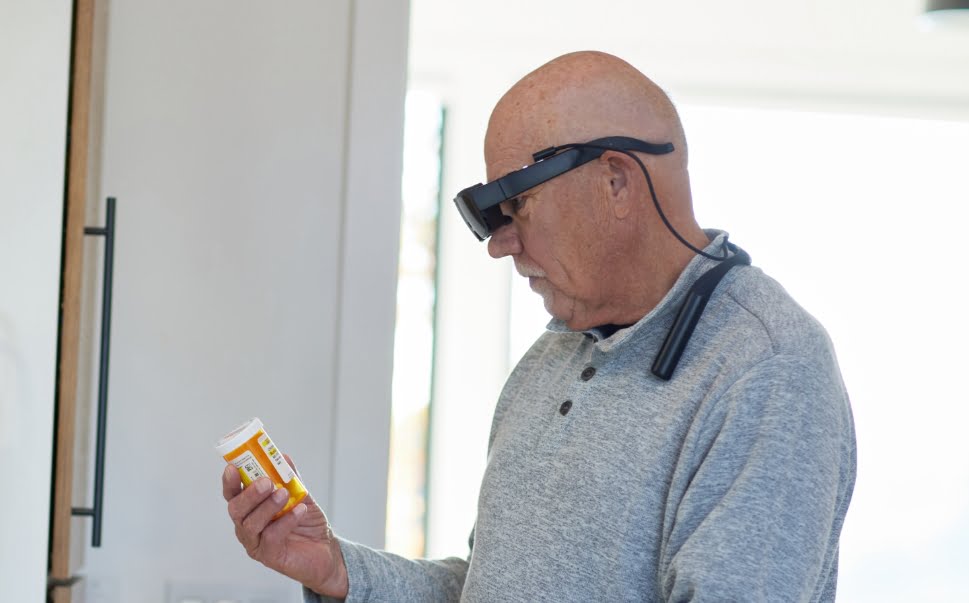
{"x": 254, "y": 470}
{"x": 250, "y": 467}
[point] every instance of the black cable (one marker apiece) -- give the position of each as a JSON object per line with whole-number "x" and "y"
{"x": 690, "y": 311}
{"x": 652, "y": 192}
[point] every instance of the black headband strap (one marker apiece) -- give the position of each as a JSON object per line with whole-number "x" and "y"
{"x": 614, "y": 143}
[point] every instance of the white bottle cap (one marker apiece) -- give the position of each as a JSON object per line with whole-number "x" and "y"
{"x": 238, "y": 436}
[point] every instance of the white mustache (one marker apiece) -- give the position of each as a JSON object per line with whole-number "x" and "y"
{"x": 528, "y": 271}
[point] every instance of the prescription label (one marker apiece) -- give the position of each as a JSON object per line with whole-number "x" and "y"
{"x": 282, "y": 467}
{"x": 250, "y": 466}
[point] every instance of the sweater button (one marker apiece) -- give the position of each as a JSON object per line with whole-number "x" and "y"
{"x": 565, "y": 408}
{"x": 588, "y": 373}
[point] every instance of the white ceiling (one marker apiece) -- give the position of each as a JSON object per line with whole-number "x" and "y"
{"x": 864, "y": 55}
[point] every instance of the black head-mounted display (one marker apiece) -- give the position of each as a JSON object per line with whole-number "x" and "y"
{"x": 480, "y": 204}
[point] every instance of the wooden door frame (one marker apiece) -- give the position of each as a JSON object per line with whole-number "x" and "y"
{"x": 76, "y": 178}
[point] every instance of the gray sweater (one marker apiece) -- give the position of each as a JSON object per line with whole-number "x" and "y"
{"x": 730, "y": 482}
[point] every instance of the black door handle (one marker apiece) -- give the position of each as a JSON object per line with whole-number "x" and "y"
{"x": 97, "y": 511}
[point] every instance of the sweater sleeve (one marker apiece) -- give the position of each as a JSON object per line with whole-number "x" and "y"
{"x": 761, "y": 489}
{"x": 382, "y": 577}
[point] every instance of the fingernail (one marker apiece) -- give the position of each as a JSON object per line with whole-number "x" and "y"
{"x": 280, "y": 495}
{"x": 263, "y": 486}
{"x": 298, "y": 510}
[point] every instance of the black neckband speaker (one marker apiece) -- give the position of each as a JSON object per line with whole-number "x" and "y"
{"x": 690, "y": 312}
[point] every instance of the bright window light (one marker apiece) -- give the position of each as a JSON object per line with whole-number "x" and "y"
{"x": 414, "y": 334}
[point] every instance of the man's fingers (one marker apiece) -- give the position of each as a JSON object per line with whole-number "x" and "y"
{"x": 251, "y": 518}
{"x": 231, "y": 484}
{"x": 274, "y": 536}
{"x": 241, "y": 505}
{"x": 256, "y": 521}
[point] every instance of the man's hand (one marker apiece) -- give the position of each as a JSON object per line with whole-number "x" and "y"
{"x": 300, "y": 544}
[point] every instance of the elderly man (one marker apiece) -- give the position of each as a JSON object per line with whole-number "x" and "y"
{"x": 680, "y": 433}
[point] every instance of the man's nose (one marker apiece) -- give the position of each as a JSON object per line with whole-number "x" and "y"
{"x": 505, "y": 241}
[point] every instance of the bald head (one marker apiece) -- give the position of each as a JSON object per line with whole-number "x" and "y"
{"x": 591, "y": 240}
{"x": 580, "y": 97}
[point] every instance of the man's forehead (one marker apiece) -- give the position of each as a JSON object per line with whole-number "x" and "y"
{"x": 505, "y": 154}
{"x": 508, "y": 159}
{"x": 512, "y": 140}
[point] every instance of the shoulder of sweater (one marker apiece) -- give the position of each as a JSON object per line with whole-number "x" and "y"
{"x": 759, "y": 305}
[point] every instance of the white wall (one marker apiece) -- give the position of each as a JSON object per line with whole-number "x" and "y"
{"x": 34, "y": 56}
{"x": 368, "y": 301}
{"x": 255, "y": 154}
{"x": 255, "y": 151}
{"x": 221, "y": 123}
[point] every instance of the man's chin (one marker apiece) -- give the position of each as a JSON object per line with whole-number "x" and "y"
{"x": 541, "y": 286}
{"x": 557, "y": 313}
{"x": 567, "y": 315}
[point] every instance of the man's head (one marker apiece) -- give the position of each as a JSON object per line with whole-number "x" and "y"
{"x": 590, "y": 240}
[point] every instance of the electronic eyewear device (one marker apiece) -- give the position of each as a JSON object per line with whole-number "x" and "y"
{"x": 480, "y": 205}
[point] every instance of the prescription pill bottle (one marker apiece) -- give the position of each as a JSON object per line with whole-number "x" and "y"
{"x": 250, "y": 449}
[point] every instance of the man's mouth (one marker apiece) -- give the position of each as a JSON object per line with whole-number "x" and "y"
{"x": 529, "y": 272}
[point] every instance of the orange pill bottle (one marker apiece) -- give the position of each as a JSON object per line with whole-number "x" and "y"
{"x": 253, "y": 453}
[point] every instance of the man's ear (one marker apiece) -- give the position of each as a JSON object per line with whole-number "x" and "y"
{"x": 619, "y": 167}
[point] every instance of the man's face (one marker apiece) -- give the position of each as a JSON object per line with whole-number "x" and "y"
{"x": 558, "y": 238}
